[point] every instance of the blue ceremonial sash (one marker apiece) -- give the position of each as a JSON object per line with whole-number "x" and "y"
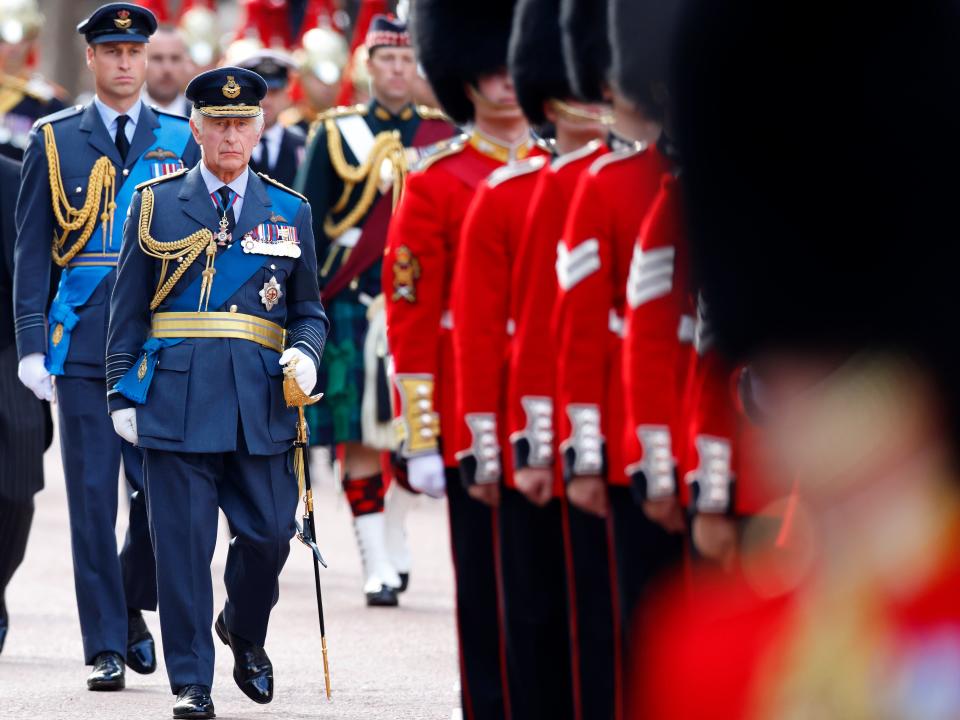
{"x": 234, "y": 267}
{"x": 78, "y": 283}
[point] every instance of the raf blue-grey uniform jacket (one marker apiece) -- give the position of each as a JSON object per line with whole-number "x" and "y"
{"x": 161, "y": 143}
{"x": 204, "y": 389}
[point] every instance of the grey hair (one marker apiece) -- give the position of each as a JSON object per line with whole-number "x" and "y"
{"x": 197, "y": 118}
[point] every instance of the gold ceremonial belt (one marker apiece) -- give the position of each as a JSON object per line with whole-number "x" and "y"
{"x": 218, "y": 325}
{"x": 92, "y": 260}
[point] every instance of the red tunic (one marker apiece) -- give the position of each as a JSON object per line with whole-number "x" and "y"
{"x": 532, "y": 372}
{"x": 593, "y": 261}
{"x": 422, "y": 247}
{"x": 484, "y": 308}
{"x": 659, "y": 327}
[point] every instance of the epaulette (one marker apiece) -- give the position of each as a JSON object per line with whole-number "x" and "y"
{"x": 430, "y": 113}
{"x": 574, "y": 155}
{"x": 341, "y": 111}
{"x": 39, "y": 89}
{"x": 281, "y": 186}
{"x": 59, "y": 115}
{"x": 548, "y": 146}
{"x": 516, "y": 169}
{"x": 162, "y": 178}
{"x": 612, "y": 157}
{"x": 313, "y": 129}
{"x": 178, "y": 116}
{"x": 440, "y": 150}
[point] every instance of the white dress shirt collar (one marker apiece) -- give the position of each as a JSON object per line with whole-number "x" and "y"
{"x": 109, "y": 117}
{"x": 238, "y": 185}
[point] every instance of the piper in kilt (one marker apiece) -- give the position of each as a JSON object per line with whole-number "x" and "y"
{"x": 353, "y": 174}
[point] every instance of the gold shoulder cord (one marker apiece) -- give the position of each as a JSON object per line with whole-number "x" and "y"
{"x": 102, "y": 182}
{"x": 188, "y": 248}
{"x": 387, "y": 147}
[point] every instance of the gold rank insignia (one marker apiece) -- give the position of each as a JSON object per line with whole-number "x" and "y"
{"x": 231, "y": 89}
{"x": 406, "y": 272}
{"x": 123, "y": 21}
{"x": 160, "y": 154}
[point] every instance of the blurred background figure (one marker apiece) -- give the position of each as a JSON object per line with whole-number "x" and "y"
{"x": 169, "y": 69}
{"x": 320, "y": 62}
{"x": 25, "y": 426}
{"x": 25, "y": 95}
{"x": 199, "y": 25}
{"x": 280, "y": 150}
{"x": 837, "y": 290}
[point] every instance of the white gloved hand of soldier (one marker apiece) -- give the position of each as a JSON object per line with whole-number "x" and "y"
{"x": 125, "y": 424}
{"x": 425, "y": 474}
{"x": 304, "y": 369}
{"x": 33, "y": 373}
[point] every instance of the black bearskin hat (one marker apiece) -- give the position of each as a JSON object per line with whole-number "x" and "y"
{"x": 820, "y": 166}
{"x": 586, "y": 47}
{"x": 457, "y": 41}
{"x": 641, "y": 34}
{"x": 536, "y": 57}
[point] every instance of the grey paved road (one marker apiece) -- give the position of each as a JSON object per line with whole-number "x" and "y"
{"x": 385, "y": 663}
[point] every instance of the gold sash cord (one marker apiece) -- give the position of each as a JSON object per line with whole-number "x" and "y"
{"x": 102, "y": 184}
{"x": 219, "y": 325}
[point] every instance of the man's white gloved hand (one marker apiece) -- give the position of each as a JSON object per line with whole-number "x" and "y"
{"x": 33, "y": 373}
{"x": 125, "y": 423}
{"x": 304, "y": 369}
{"x": 425, "y": 473}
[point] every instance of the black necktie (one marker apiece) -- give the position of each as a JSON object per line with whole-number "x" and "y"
{"x": 264, "y": 160}
{"x": 225, "y": 203}
{"x": 123, "y": 145}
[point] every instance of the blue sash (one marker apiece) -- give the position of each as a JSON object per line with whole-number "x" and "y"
{"x": 234, "y": 268}
{"x": 78, "y": 283}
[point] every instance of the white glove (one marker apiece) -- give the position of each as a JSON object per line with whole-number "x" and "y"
{"x": 125, "y": 424}
{"x": 305, "y": 371}
{"x": 34, "y": 375}
{"x": 425, "y": 473}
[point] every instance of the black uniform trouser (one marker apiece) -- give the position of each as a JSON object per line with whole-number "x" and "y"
{"x": 473, "y": 539}
{"x": 592, "y": 622}
{"x": 535, "y": 603}
{"x": 15, "y": 521}
{"x": 645, "y": 553}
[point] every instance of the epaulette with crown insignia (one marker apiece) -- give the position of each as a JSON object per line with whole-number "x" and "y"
{"x": 280, "y": 185}
{"x": 162, "y": 178}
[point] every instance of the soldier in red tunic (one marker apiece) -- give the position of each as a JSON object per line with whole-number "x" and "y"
{"x": 463, "y": 49}
{"x": 492, "y": 278}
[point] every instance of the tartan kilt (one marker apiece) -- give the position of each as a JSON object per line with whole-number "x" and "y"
{"x": 336, "y": 418}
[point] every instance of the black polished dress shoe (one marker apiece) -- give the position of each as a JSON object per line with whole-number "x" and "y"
{"x": 193, "y": 701}
{"x": 252, "y": 669}
{"x": 4, "y": 625}
{"x": 141, "y": 654}
{"x": 386, "y": 596}
{"x": 108, "y": 672}
{"x": 404, "y": 582}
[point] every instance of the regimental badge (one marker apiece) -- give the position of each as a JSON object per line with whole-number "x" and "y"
{"x": 406, "y": 272}
{"x": 231, "y": 89}
{"x": 160, "y": 154}
{"x": 271, "y": 293}
{"x": 123, "y": 21}
{"x": 57, "y": 334}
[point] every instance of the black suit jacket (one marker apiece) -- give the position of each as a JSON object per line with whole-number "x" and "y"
{"x": 288, "y": 161}
{"x": 9, "y": 186}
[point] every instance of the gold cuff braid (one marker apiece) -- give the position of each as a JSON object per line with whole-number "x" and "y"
{"x": 102, "y": 182}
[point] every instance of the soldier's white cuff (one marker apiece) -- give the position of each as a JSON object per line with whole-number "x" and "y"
{"x": 584, "y": 448}
{"x": 657, "y": 464}
{"x": 533, "y": 446}
{"x": 713, "y": 477}
{"x": 418, "y": 426}
{"x": 480, "y": 463}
